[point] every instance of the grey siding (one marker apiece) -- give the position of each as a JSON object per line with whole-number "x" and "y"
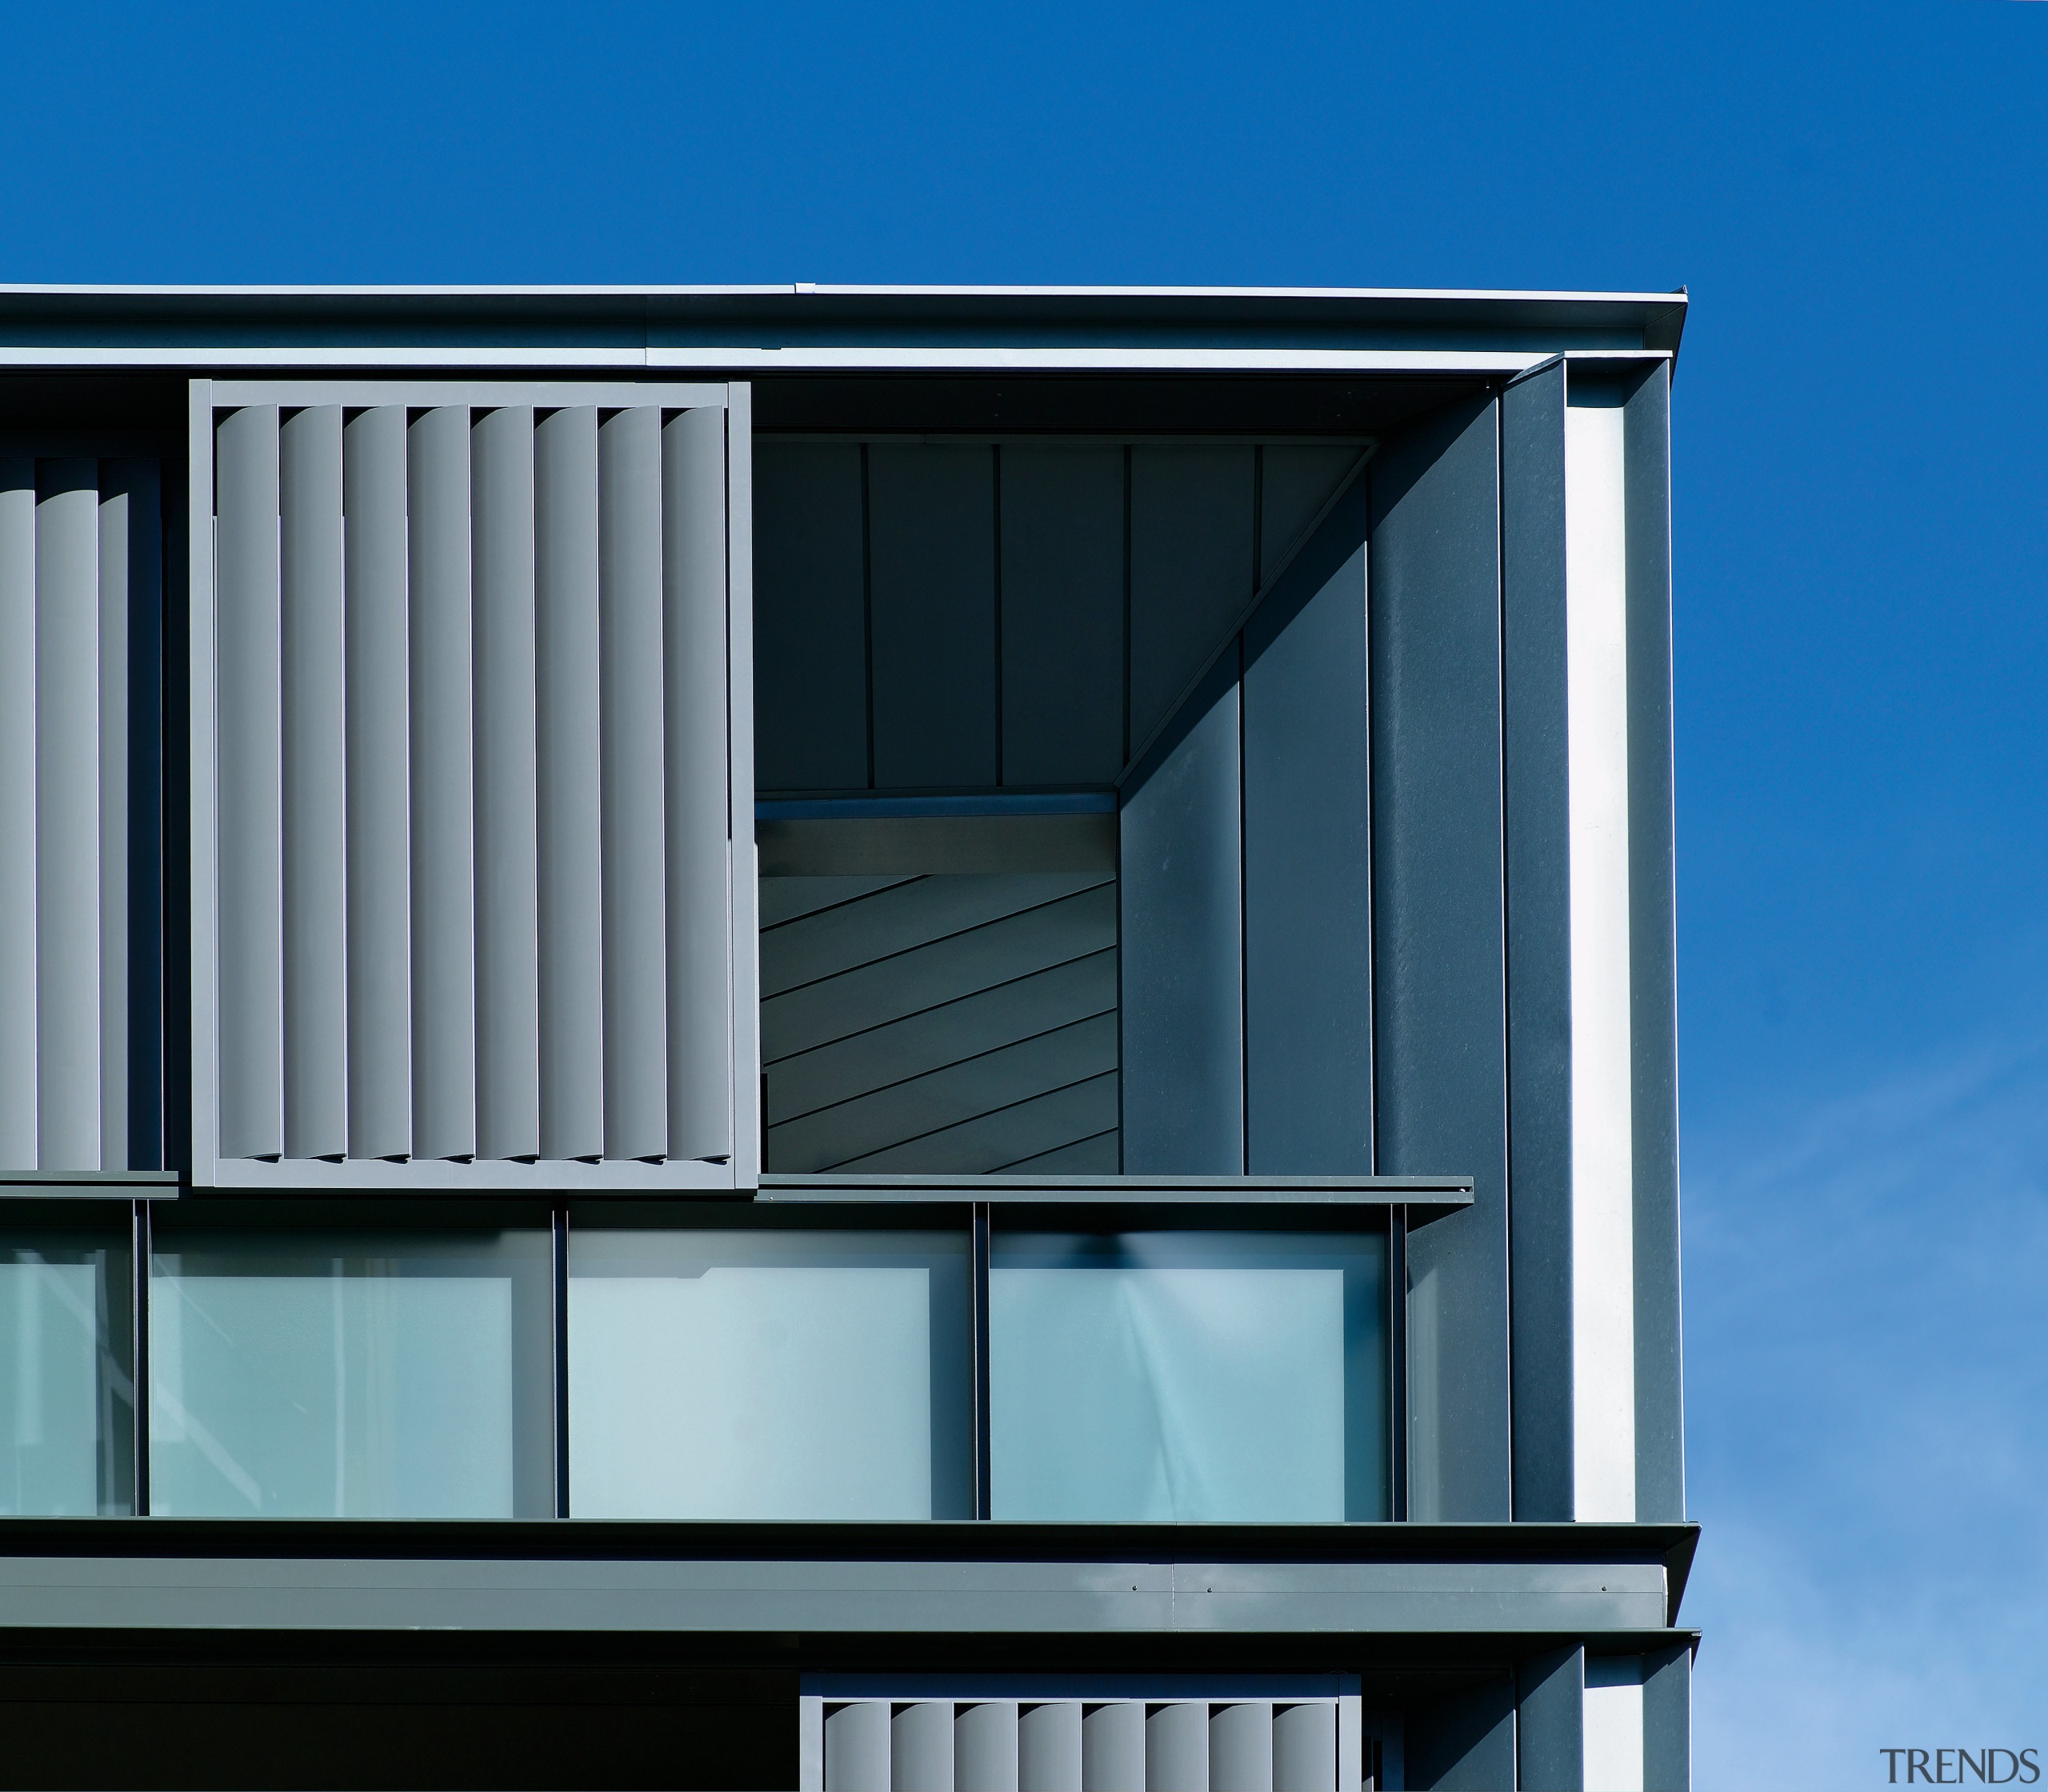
{"x": 466, "y": 714}
{"x": 1659, "y": 1393}
{"x": 1538, "y": 937}
{"x": 1183, "y": 1014}
{"x": 1550, "y": 1727}
{"x": 1190, "y": 568}
{"x": 1063, "y": 614}
{"x": 961, "y": 1023}
{"x": 1441, "y": 1074}
{"x": 1307, "y": 867}
{"x": 810, "y": 619}
{"x": 931, "y": 560}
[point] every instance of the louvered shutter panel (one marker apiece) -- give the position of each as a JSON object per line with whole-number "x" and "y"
{"x": 467, "y": 918}
{"x": 1120, "y": 1740}
{"x": 81, "y": 589}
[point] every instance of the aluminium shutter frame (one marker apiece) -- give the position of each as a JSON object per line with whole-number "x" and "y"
{"x": 469, "y": 722}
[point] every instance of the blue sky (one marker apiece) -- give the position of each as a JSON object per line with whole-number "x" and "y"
{"x": 1856, "y": 197}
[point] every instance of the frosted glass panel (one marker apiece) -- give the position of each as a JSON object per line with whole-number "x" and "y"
{"x": 1186, "y": 1377}
{"x": 350, "y": 1385}
{"x": 50, "y": 1387}
{"x": 66, "y": 1412}
{"x": 765, "y": 1375}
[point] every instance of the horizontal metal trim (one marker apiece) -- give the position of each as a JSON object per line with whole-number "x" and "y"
{"x": 88, "y": 1185}
{"x": 145, "y": 1593}
{"x": 1286, "y": 1191}
{"x": 994, "y": 802}
{"x": 426, "y": 394}
{"x": 495, "y": 1176}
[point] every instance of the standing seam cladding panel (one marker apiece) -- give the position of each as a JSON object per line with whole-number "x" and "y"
{"x": 1440, "y": 1061}
{"x": 315, "y": 823}
{"x": 249, "y": 780}
{"x": 507, "y": 865}
{"x": 566, "y": 660}
{"x": 698, "y": 826}
{"x": 67, "y": 814}
{"x": 110, "y": 547}
{"x": 635, "y": 954}
{"x": 443, "y": 790}
{"x": 17, "y": 854}
{"x": 378, "y": 844}
{"x": 131, "y": 969}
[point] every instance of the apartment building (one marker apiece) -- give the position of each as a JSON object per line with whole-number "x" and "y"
{"x": 838, "y": 1039}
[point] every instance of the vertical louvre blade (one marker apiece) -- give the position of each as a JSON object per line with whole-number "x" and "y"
{"x": 18, "y": 859}
{"x": 567, "y": 658}
{"x": 507, "y": 871}
{"x": 111, "y": 549}
{"x": 443, "y": 840}
{"x": 635, "y": 923}
{"x": 315, "y": 956}
{"x": 250, "y": 855}
{"x": 379, "y": 841}
{"x": 698, "y": 826}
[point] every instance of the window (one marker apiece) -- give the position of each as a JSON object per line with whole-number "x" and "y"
{"x": 1188, "y": 1376}
{"x": 67, "y": 1424}
{"x": 351, "y": 1375}
{"x": 768, "y": 1374}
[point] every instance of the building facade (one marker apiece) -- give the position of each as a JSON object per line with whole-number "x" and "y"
{"x": 838, "y": 1039}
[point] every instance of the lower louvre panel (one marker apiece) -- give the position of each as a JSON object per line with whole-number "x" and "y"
{"x": 1116, "y": 1733}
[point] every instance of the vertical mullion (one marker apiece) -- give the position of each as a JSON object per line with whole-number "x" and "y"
{"x": 983, "y": 1453}
{"x": 507, "y": 817}
{"x": 1397, "y": 1356}
{"x": 376, "y": 601}
{"x": 567, "y": 658}
{"x": 560, "y": 1304}
{"x": 248, "y": 776}
{"x": 633, "y": 756}
{"x": 18, "y": 872}
{"x": 697, "y": 822}
{"x": 443, "y": 786}
{"x": 314, "y": 751}
{"x": 867, "y": 617}
{"x": 141, "y": 1244}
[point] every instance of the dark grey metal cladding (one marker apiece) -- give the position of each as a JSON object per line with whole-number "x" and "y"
{"x": 931, "y": 568}
{"x": 1183, "y": 929}
{"x": 1533, "y": 725}
{"x": 809, "y": 626}
{"x": 132, "y": 554}
{"x": 1307, "y": 862}
{"x": 952, "y": 1023}
{"x": 1660, "y": 1475}
{"x": 1464, "y": 1739}
{"x": 1440, "y": 1077}
{"x": 1062, "y": 508}
{"x": 1295, "y": 481}
{"x": 1667, "y": 1705}
{"x": 1550, "y": 1722}
{"x": 1190, "y": 568}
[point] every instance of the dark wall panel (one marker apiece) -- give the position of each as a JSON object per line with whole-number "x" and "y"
{"x": 1063, "y": 614}
{"x": 1660, "y": 1471}
{"x": 810, "y": 629}
{"x": 1190, "y": 568}
{"x": 1667, "y": 1720}
{"x": 1463, "y": 1742}
{"x": 1550, "y": 1727}
{"x": 1440, "y": 1062}
{"x": 931, "y": 563}
{"x": 1538, "y": 937}
{"x": 1307, "y": 873}
{"x": 1295, "y": 481}
{"x": 1183, "y": 1019}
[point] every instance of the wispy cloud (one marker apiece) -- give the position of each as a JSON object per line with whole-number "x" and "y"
{"x": 1867, "y": 1358}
